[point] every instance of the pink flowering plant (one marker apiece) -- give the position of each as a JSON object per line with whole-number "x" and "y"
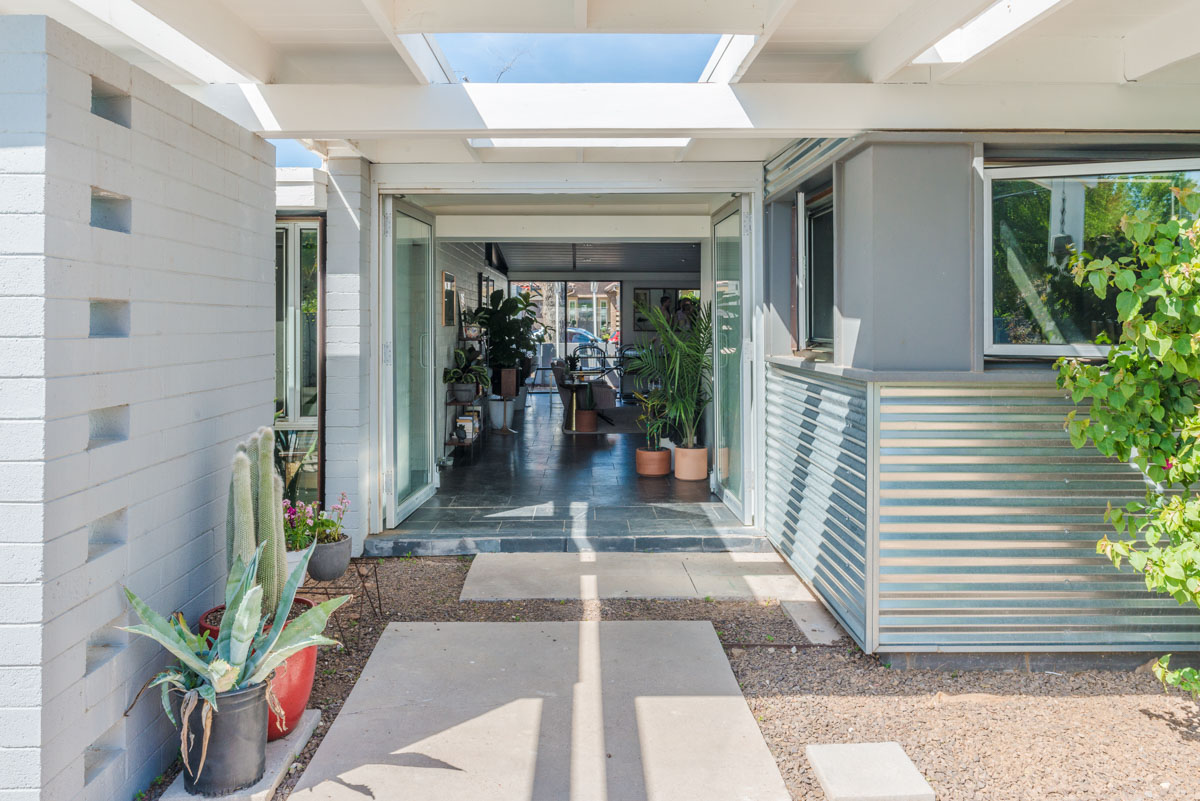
{"x": 304, "y": 522}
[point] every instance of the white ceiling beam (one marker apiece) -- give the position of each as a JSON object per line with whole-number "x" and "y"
{"x": 735, "y": 54}
{"x": 579, "y": 228}
{"x": 581, "y": 14}
{"x": 1001, "y": 24}
{"x": 418, "y": 51}
{"x": 1159, "y": 44}
{"x": 563, "y": 16}
{"x": 916, "y": 30}
{"x": 206, "y": 41}
{"x": 747, "y": 110}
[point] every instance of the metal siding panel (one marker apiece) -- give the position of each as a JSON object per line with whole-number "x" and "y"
{"x": 816, "y": 486}
{"x": 988, "y": 520}
{"x": 800, "y": 156}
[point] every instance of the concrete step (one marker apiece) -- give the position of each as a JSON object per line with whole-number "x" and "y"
{"x": 449, "y": 542}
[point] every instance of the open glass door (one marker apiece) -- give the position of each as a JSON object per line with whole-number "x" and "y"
{"x": 408, "y": 378}
{"x": 730, "y": 383}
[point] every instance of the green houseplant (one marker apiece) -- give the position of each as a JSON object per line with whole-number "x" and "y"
{"x": 509, "y": 324}
{"x": 652, "y": 460}
{"x": 1144, "y": 400}
{"x": 468, "y": 375}
{"x": 678, "y": 367}
{"x": 218, "y": 692}
{"x": 256, "y": 520}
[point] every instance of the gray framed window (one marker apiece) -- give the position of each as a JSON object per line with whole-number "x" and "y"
{"x": 1036, "y": 218}
{"x": 817, "y": 258}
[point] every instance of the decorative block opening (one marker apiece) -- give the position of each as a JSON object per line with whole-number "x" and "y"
{"x": 105, "y": 643}
{"x": 107, "y": 748}
{"x": 108, "y": 318}
{"x": 106, "y": 426}
{"x": 106, "y": 533}
{"x": 111, "y": 103}
{"x": 111, "y": 211}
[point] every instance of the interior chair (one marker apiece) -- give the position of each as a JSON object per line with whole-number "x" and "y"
{"x": 603, "y": 390}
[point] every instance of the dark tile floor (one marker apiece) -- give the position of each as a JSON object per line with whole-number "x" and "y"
{"x": 541, "y": 489}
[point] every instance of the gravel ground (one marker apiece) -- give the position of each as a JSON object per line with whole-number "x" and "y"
{"x": 1085, "y": 736}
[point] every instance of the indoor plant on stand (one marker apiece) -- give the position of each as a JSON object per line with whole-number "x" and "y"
{"x": 219, "y": 692}
{"x": 679, "y": 365}
{"x": 585, "y": 410}
{"x": 256, "y": 520}
{"x": 467, "y": 376}
{"x": 306, "y": 524}
{"x": 653, "y": 460}
{"x": 509, "y": 324}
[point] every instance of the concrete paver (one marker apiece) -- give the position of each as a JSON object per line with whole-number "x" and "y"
{"x": 589, "y": 711}
{"x": 867, "y": 772}
{"x": 721, "y": 576}
{"x": 814, "y": 621}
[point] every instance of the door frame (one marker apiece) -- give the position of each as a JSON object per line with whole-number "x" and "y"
{"x": 391, "y": 513}
{"x": 736, "y": 178}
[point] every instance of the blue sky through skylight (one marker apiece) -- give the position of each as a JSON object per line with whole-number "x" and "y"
{"x": 290, "y": 153}
{"x": 577, "y": 57}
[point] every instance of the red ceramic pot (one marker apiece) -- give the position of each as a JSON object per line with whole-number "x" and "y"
{"x": 292, "y": 682}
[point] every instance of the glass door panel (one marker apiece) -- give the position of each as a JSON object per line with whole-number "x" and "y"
{"x": 412, "y": 375}
{"x": 727, "y": 342}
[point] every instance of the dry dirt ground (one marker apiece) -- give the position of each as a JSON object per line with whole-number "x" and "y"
{"x": 1084, "y": 736}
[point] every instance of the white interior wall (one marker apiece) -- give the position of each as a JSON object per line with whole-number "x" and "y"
{"x": 133, "y": 360}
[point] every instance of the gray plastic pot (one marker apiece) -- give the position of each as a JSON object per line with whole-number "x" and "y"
{"x": 237, "y": 742}
{"x": 330, "y": 560}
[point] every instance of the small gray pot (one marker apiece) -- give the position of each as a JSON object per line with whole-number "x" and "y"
{"x": 330, "y": 560}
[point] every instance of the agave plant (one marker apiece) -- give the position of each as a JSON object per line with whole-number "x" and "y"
{"x": 249, "y": 647}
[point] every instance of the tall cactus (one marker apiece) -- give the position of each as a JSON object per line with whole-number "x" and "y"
{"x": 256, "y": 514}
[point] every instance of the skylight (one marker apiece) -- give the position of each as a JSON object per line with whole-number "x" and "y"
{"x": 577, "y": 57}
{"x": 998, "y": 21}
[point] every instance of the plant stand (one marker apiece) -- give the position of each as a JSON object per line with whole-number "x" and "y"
{"x": 354, "y": 582}
{"x": 506, "y": 430}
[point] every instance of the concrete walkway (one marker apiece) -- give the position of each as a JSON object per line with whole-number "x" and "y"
{"x": 589, "y": 711}
{"x": 719, "y": 576}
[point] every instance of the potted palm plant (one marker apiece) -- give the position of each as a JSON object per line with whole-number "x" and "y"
{"x": 219, "y": 692}
{"x": 678, "y": 363}
{"x": 653, "y": 460}
{"x": 467, "y": 376}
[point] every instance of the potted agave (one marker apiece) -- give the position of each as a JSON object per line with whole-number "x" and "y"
{"x": 219, "y": 692}
{"x": 652, "y": 460}
{"x": 467, "y": 375}
{"x": 256, "y": 521}
{"x": 307, "y": 524}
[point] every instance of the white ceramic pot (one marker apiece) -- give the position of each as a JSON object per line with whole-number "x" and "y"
{"x": 500, "y": 411}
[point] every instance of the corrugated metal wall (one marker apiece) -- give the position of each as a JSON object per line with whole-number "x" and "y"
{"x": 786, "y": 167}
{"x": 988, "y": 522}
{"x": 816, "y": 487}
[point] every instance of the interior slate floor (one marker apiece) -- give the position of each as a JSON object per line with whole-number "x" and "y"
{"x": 543, "y": 490}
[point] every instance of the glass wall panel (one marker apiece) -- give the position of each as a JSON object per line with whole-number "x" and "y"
{"x": 307, "y": 343}
{"x": 727, "y": 341}
{"x": 412, "y": 268}
{"x": 297, "y": 357}
{"x": 281, "y": 315}
{"x": 1038, "y": 223}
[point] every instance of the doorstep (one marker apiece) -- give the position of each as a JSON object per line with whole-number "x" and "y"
{"x": 452, "y": 542}
{"x": 280, "y": 755}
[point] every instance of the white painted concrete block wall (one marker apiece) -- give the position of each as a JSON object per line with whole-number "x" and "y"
{"x": 182, "y": 359}
{"x": 349, "y": 308}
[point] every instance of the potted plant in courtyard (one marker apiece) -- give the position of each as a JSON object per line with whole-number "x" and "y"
{"x": 678, "y": 363}
{"x": 255, "y": 520}
{"x": 653, "y": 460}
{"x": 509, "y": 324}
{"x": 306, "y": 524}
{"x": 585, "y": 410}
{"x": 467, "y": 376}
{"x": 219, "y": 692}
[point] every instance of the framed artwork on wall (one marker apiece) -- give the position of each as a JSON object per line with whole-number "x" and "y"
{"x": 448, "y": 298}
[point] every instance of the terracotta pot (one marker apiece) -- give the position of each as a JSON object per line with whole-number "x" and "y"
{"x": 691, "y": 464}
{"x": 653, "y": 463}
{"x": 585, "y": 419}
{"x": 292, "y": 682}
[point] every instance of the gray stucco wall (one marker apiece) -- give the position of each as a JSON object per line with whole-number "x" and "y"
{"x": 904, "y": 258}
